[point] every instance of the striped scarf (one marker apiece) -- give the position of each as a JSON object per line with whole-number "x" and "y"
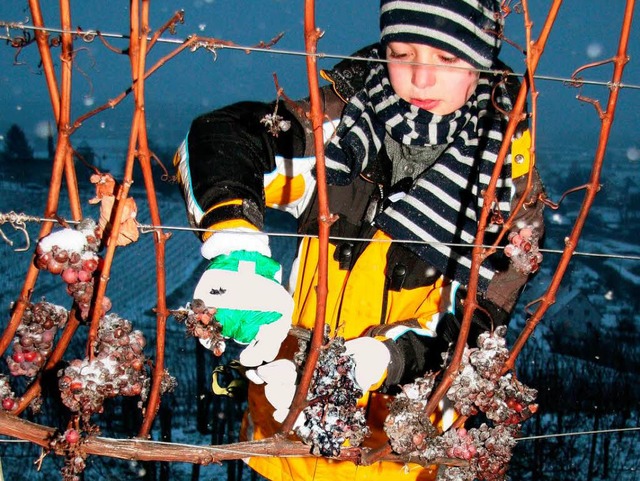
{"x": 444, "y": 203}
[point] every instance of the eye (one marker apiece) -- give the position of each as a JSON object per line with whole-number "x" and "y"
{"x": 398, "y": 52}
{"x": 397, "y": 55}
{"x": 448, "y": 59}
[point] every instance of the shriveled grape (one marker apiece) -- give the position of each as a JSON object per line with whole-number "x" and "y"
{"x": 333, "y": 417}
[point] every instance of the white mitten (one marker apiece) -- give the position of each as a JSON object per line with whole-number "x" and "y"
{"x": 243, "y": 283}
{"x": 279, "y": 378}
{"x": 371, "y": 358}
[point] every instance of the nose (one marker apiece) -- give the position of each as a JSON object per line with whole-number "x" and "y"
{"x": 423, "y": 76}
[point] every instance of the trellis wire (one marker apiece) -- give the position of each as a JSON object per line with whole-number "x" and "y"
{"x": 20, "y": 219}
{"x": 90, "y": 35}
{"x": 579, "y": 433}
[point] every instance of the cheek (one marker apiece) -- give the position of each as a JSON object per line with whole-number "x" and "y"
{"x": 400, "y": 78}
{"x": 472, "y": 83}
{"x": 466, "y": 85}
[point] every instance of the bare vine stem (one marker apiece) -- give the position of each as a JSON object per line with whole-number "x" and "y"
{"x": 62, "y": 161}
{"x": 137, "y": 55}
{"x": 533, "y": 56}
{"x": 325, "y": 219}
{"x": 160, "y": 238}
{"x": 591, "y": 189}
{"x": 147, "y": 450}
{"x": 192, "y": 43}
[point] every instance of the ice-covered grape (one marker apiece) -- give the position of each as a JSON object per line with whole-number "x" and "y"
{"x": 409, "y": 430}
{"x": 118, "y": 368}
{"x": 523, "y": 250}
{"x": 201, "y": 323}
{"x": 72, "y": 254}
{"x": 333, "y": 416}
{"x": 33, "y": 342}
{"x": 7, "y": 397}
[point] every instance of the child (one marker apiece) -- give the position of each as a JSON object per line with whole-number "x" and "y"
{"x": 411, "y": 146}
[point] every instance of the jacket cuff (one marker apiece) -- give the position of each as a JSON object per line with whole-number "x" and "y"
{"x": 228, "y": 241}
{"x": 245, "y": 210}
{"x": 396, "y": 366}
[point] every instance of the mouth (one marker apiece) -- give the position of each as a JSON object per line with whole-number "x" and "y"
{"x": 425, "y": 104}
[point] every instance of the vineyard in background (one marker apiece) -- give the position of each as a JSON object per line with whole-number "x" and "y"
{"x": 91, "y": 433}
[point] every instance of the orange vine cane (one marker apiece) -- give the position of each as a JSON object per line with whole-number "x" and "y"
{"x": 61, "y": 162}
{"x": 533, "y": 57}
{"x": 66, "y": 69}
{"x": 592, "y": 188}
{"x": 325, "y": 219}
{"x": 153, "y": 402}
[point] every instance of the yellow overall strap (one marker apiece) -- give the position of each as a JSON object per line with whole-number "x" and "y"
{"x": 521, "y": 155}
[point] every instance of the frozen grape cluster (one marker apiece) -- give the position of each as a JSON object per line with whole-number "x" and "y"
{"x": 34, "y": 338}
{"x": 333, "y": 416}
{"x": 118, "y": 368}
{"x": 516, "y": 401}
{"x": 72, "y": 254}
{"x": 481, "y": 453}
{"x": 481, "y": 387}
{"x": 486, "y": 451}
{"x": 491, "y": 354}
{"x": 523, "y": 250}
{"x": 200, "y": 322}
{"x": 7, "y": 397}
{"x": 82, "y": 293}
{"x": 407, "y": 427}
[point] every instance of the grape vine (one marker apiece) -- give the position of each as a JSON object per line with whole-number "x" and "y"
{"x": 333, "y": 415}
{"x": 34, "y": 338}
{"x": 479, "y": 387}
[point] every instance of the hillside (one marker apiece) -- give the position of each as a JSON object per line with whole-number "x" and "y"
{"x": 192, "y": 415}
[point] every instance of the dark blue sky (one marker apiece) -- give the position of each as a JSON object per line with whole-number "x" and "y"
{"x": 586, "y": 31}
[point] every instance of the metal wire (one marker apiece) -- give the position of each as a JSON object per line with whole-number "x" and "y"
{"x": 579, "y": 433}
{"x": 20, "y": 219}
{"x": 90, "y": 35}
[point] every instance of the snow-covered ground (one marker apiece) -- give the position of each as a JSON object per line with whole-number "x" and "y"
{"x": 133, "y": 292}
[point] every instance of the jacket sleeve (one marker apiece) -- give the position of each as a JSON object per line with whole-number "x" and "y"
{"x": 505, "y": 287}
{"x": 222, "y": 162}
{"x": 413, "y": 354}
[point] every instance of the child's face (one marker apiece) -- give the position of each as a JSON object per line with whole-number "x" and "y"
{"x": 435, "y": 87}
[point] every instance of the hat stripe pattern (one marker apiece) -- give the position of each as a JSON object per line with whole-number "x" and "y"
{"x": 465, "y": 28}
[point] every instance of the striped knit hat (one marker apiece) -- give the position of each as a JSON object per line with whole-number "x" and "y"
{"x": 468, "y": 29}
